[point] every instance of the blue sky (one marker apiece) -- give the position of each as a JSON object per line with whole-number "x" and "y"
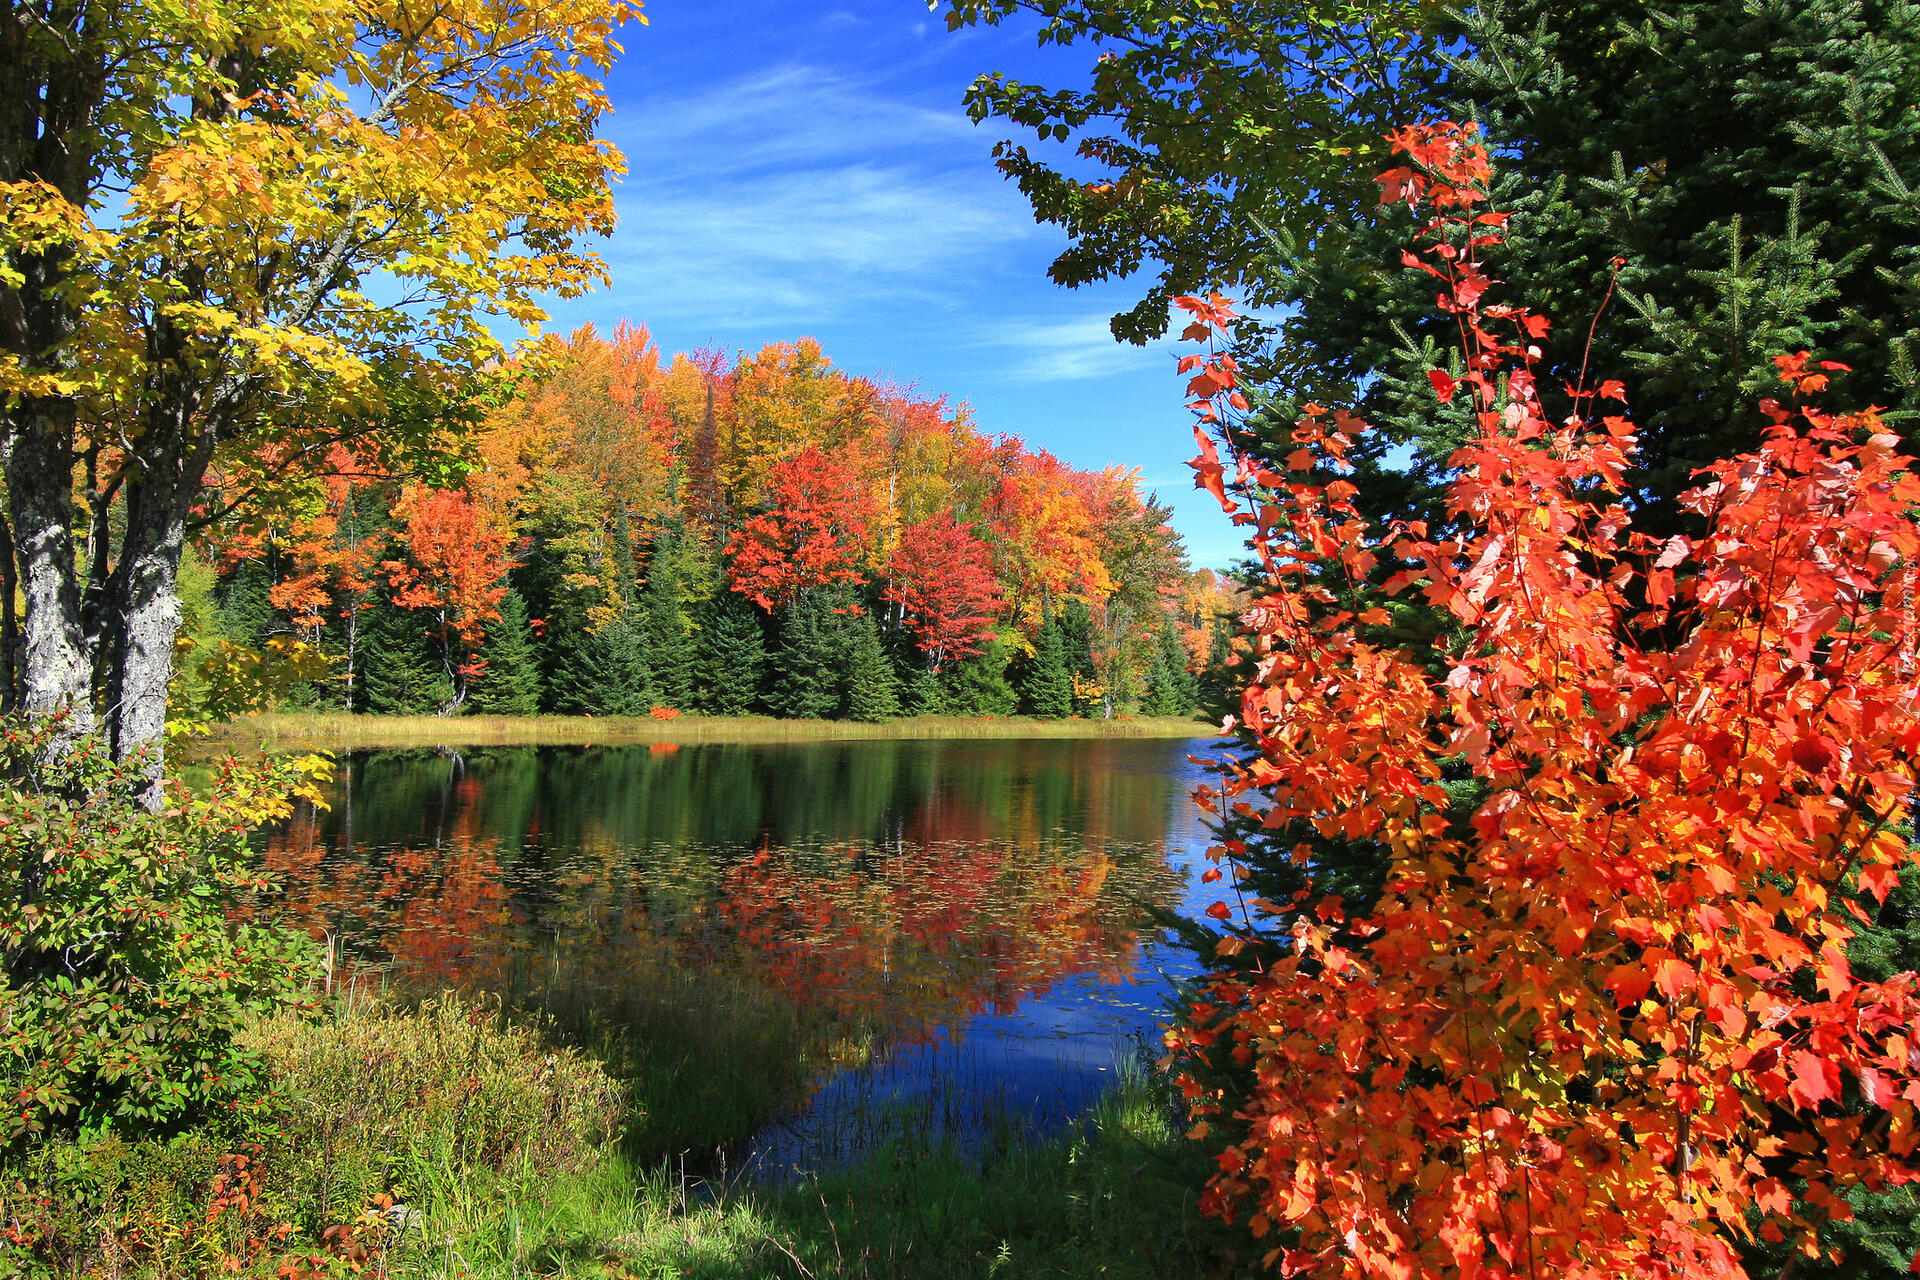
{"x": 808, "y": 170}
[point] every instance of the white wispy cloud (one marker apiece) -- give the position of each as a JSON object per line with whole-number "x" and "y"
{"x": 1073, "y": 349}
{"x": 793, "y": 195}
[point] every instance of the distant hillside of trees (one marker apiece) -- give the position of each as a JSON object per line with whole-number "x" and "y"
{"x": 768, "y": 535}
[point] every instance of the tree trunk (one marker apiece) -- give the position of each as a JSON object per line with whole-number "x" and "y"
{"x": 145, "y": 608}
{"x": 9, "y": 621}
{"x": 53, "y": 73}
{"x": 57, "y": 670}
{"x": 146, "y": 621}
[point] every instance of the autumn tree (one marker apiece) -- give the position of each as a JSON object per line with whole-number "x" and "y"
{"x": 454, "y": 572}
{"x": 941, "y": 578}
{"x": 812, "y": 536}
{"x": 1605, "y": 1023}
{"x": 195, "y": 204}
{"x": 784, "y": 400}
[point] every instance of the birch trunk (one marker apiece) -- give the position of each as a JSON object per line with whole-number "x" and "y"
{"x": 57, "y": 667}
{"x": 144, "y": 601}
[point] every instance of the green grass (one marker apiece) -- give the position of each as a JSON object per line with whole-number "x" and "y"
{"x": 340, "y": 732}
{"x": 444, "y": 1142}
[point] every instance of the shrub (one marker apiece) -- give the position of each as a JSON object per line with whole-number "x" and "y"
{"x": 1607, "y": 1025}
{"x": 128, "y": 968}
{"x": 379, "y": 1122}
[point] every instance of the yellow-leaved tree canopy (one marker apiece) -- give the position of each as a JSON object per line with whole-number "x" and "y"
{"x": 235, "y": 233}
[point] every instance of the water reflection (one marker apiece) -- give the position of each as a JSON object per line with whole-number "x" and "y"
{"x": 966, "y": 908}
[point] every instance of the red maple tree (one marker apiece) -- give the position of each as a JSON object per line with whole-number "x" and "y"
{"x": 941, "y": 576}
{"x": 814, "y": 533}
{"x": 455, "y": 570}
{"x": 1607, "y": 1027}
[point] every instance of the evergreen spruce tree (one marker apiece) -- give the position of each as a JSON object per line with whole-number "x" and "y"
{"x": 402, "y": 676}
{"x": 921, "y": 694}
{"x": 669, "y": 641}
{"x": 1048, "y": 687}
{"x": 732, "y": 656}
{"x": 625, "y": 685}
{"x": 809, "y": 669}
{"x": 568, "y": 675}
{"x": 596, "y": 672}
{"x": 873, "y": 690}
{"x": 510, "y": 686}
{"x": 1075, "y": 623}
{"x": 244, "y": 613}
{"x": 977, "y": 685}
{"x": 1171, "y": 689}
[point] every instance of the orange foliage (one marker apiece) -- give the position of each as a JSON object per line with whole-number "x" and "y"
{"x": 456, "y": 570}
{"x": 1591, "y": 1032}
{"x": 814, "y": 534}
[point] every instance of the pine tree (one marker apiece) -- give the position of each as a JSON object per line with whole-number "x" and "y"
{"x": 568, "y": 675}
{"x": 1219, "y": 680}
{"x": 977, "y": 686}
{"x": 245, "y": 614}
{"x": 510, "y": 685}
{"x": 669, "y": 641}
{"x": 596, "y": 672}
{"x": 402, "y": 675}
{"x": 625, "y": 685}
{"x": 921, "y": 694}
{"x": 1048, "y": 687}
{"x": 809, "y": 670}
{"x": 732, "y": 656}
{"x": 873, "y": 690}
{"x": 1171, "y": 690}
{"x": 1075, "y": 623}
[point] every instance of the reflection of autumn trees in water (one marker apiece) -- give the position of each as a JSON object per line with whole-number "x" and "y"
{"x": 916, "y": 937}
{"x": 891, "y": 886}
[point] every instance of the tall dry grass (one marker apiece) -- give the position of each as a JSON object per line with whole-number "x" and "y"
{"x": 339, "y": 732}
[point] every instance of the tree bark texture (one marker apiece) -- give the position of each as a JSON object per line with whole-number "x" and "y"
{"x": 52, "y": 83}
{"x": 57, "y": 668}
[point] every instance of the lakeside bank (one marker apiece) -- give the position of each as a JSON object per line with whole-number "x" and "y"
{"x": 290, "y": 731}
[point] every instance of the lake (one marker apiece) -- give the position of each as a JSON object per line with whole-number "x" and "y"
{"x": 953, "y": 930}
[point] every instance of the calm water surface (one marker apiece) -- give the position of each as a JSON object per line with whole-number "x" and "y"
{"x": 969, "y": 912}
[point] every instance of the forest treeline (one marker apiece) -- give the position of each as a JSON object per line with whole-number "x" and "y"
{"x": 632, "y": 534}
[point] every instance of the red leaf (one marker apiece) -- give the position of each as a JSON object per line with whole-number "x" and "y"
{"x": 1443, "y": 383}
{"x": 1879, "y": 880}
{"x": 1812, "y": 753}
{"x": 1814, "y": 1079}
{"x": 1220, "y": 911}
{"x": 1674, "y": 977}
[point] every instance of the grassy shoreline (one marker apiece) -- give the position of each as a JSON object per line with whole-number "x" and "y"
{"x": 340, "y": 732}
{"x": 449, "y": 1141}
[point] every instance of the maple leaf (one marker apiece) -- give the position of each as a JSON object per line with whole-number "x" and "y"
{"x": 1814, "y": 1079}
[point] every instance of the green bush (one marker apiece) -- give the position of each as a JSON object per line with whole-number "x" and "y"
{"x": 134, "y": 957}
{"x": 379, "y": 1123}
